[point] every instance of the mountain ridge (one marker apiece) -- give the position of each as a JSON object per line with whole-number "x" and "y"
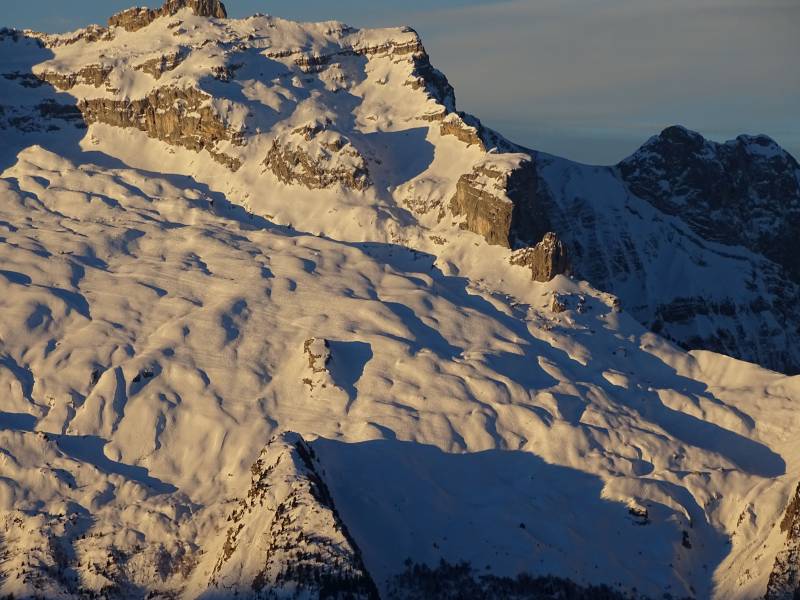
{"x": 216, "y": 231}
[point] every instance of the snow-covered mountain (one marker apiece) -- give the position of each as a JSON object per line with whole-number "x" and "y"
{"x": 278, "y": 321}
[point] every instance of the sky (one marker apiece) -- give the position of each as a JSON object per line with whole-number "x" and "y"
{"x": 587, "y": 79}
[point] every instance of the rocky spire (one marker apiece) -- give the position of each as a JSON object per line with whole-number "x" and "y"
{"x": 546, "y": 259}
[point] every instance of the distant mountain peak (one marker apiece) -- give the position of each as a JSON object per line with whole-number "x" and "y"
{"x": 678, "y": 134}
{"x": 686, "y": 143}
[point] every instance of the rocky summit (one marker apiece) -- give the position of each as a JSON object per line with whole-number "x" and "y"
{"x": 136, "y": 18}
{"x": 278, "y": 320}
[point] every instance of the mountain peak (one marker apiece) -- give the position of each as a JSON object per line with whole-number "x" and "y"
{"x": 762, "y": 146}
{"x": 202, "y": 8}
{"x": 679, "y": 133}
{"x": 683, "y": 142}
{"x": 675, "y": 138}
{"x": 214, "y": 230}
{"x": 136, "y": 18}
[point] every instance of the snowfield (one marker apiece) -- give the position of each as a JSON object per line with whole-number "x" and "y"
{"x": 163, "y": 317}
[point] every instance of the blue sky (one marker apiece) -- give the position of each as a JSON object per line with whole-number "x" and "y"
{"x": 587, "y": 79}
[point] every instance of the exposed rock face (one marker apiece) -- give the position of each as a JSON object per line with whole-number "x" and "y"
{"x": 743, "y": 192}
{"x": 501, "y": 203}
{"x": 95, "y": 75}
{"x": 546, "y": 259}
{"x": 318, "y": 352}
{"x": 92, "y": 33}
{"x": 662, "y": 270}
{"x": 748, "y": 186}
{"x": 775, "y": 315}
{"x": 558, "y": 304}
{"x": 455, "y": 125}
{"x": 202, "y": 8}
{"x": 784, "y": 581}
{"x": 316, "y": 375}
{"x": 425, "y": 76}
{"x": 162, "y": 64}
{"x": 598, "y": 217}
{"x": 182, "y": 117}
{"x": 471, "y": 131}
{"x": 335, "y": 162}
{"x": 27, "y": 103}
{"x": 286, "y": 537}
{"x": 134, "y": 19}
{"x": 481, "y": 197}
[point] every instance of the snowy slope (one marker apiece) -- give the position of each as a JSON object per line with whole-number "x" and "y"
{"x": 229, "y": 230}
{"x": 700, "y": 292}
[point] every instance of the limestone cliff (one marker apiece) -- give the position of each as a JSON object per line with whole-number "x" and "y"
{"x": 137, "y": 18}
{"x": 546, "y": 259}
{"x": 499, "y": 200}
{"x": 183, "y": 117}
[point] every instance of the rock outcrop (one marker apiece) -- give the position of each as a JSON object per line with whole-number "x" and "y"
{"x": 699, "y": 293}
{"x": 156, "y": 67}
{"x": 546, "y": 259}
{"x": 48, "y": 115}
{"x": 784, "y": 581}
{"x": 137, "y": 18}
{"x": 743, "y": 192}
{"x": 92, "y": 33}
{"x": 201, "y": 8}
{"x": 286, "y": 536}
{"x": 434, "y": 82}
{"x": 29, "y": 103}
{"x": 469, "y": 130}
{"x": 329, "y": 160}
{"x": 481, "y": 197}
{"x": 94, "y": 75}
{"x": 182, "y": 117}
{"x": 317, "y": 352}
{"x": 499, "y": 200}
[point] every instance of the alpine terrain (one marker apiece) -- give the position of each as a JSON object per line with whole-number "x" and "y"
{"x": 278, "y": 321}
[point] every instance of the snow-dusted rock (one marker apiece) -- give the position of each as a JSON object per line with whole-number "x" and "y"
{"x": 784, "y": 580}
{"x": 546, "y": 259}
{"x": 134, "y": 19}
{"x": 744, "y": 192}
{"x": 198, "y": 214}
{"x": 499, "y": 201}
{"x": 285, "y": 539}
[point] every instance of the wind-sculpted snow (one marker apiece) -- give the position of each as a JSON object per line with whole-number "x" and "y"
{"x": 214, "y": 232}
{"x": 153, "y": 339}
